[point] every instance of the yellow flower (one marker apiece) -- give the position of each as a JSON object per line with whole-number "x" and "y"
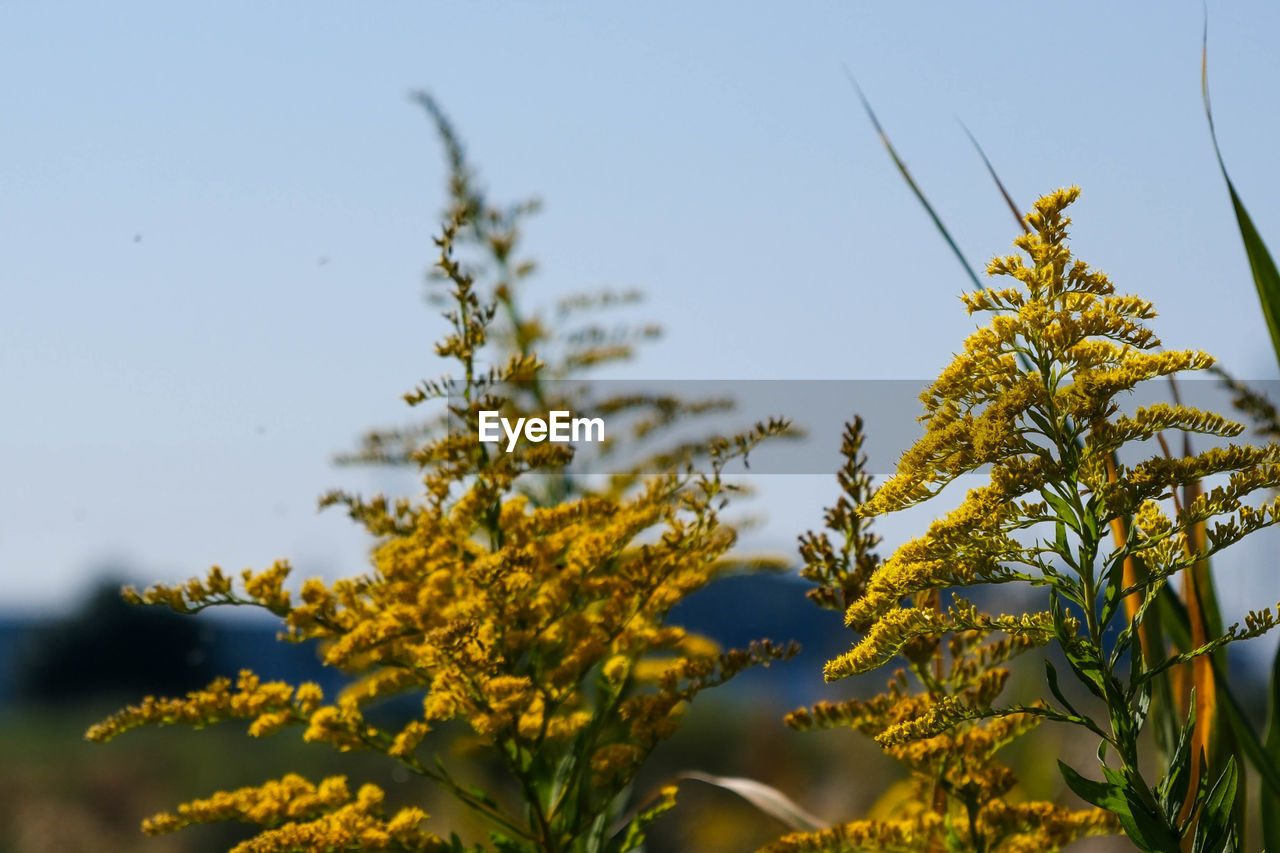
{"x": 507, "y": 595}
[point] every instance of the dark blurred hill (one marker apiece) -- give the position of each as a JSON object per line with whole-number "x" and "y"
{"x": 108, "y": 650}
{"x": 735, "y": 610}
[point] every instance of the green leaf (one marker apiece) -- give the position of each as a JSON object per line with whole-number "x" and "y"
{"x": 1104, "y": 795}
{"x": 1270, "y": 802}
{"x": 1173, "y": 788}
{"x": 1265, "y": 762}
{"x": 1051, "y": 673}
{"x": 504, "y": 844}
{"x": 1060, "y": 542}
{"x": 1082, "y": 659}
{"x": 1042, "y": 423}
{"x": 953, "y": 840}
{"x": 1062, "y": 509}
{"x": 1143, "y": 706}
{"x": 1265, "y": 275}
{"x": 562, "y": 777}
{"x": 1116, "y": 796}
{"x": 1090, "y": 522}
{"x": 1088, "y": 668}
{"x": 915, "y": 188}
{"x": 1149, "y": 831}
{"x": 1217, "y": 814}
{"x": 600, "y": 831}
{"x": 1060, "y": 629}
{"x": 640, "y": 823}
{"x": 991, "y": 170}
{"x": 924, "y": 202}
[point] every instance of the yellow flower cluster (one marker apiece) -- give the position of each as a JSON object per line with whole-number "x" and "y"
{"x": 1021, "y": 828}
{"x": 300, "y": 816}
{"x": 959, "y": 795}
{"x": 271, "y": 706}
{"x": 1035, "y": 396}
{"x": 532, "y": 623}
{"x": 905, "y": 835}
{"x": 507, "y": 597}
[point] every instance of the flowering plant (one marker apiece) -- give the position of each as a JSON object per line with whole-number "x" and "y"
{"x": 506, "y": 596}
{"x": 1036, "y": 396}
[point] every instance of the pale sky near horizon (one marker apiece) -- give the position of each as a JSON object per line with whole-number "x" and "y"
{"x": 216, "y": 221}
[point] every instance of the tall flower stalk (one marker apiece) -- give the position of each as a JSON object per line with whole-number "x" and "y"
{"x": 1036, "y": 395}
{"x": 959, "y": 795}
{"x": 533, "y": 614}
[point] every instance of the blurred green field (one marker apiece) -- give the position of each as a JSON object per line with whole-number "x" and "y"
{"x": 59, "y": 792}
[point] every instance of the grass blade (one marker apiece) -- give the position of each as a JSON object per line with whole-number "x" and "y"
{"x": 1265, "y": 275}
{"x": 767, "y": 799}
{"x": 915, "y": 188}
{"x": 1270, "y": 803}
{"x": 924, "y": 202}
{"x": 991, "y": 170}
{"x": 1178, "y": 625}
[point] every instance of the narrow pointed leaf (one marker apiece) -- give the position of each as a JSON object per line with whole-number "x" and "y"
{"x": 915, "y": 188}
{"x": 991, "y": 170}
{"x": 1265, "y": 275}
{"x": 1177, "y": 624}
{"x": 1173, "y": 788}
{"x": 767, "y": 799}
{"x": 1215, "y": 824}
{"x": 1269, "y": 804}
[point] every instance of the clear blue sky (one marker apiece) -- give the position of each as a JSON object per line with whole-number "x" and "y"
{"x": 173, "y": 401}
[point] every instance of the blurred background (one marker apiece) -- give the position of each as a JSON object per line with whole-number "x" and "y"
{"x": 216, "y": 226}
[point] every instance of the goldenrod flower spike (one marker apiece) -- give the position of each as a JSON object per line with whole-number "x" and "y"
{"x": 1037, "y": 397}
{"x": 534, "y": 614}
